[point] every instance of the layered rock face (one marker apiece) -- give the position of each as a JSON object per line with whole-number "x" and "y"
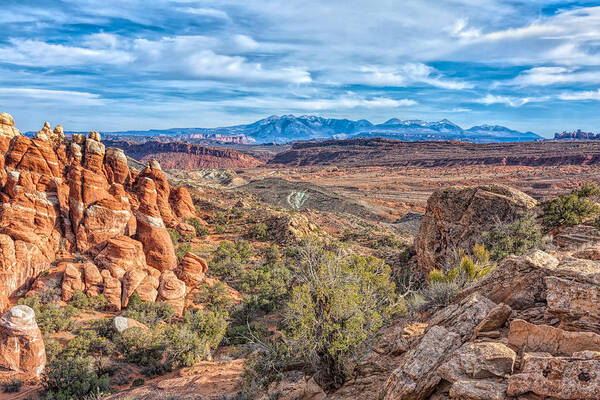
{"x": 456, "y": 217}
{"x": 534, "y": 334}
{"x": 61, "y": 196}
{"x": 21, "y": 344}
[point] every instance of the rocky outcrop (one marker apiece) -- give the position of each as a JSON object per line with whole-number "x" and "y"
{"x": 182, "y": 203}
{"x": 515, "y": 348}
{"x": 457, "y": 216}
{"x": 172, "y": 291}
{"x": 61, "y": 196}
{"x": 191, "y": 269}
{"x": 417, "y": 375}
{"x": 568, "y": 378}
{"x": 151, "y": 229}
{"x": 21, "y": 344}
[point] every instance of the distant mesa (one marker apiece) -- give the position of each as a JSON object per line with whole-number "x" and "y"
{"x": 577, "y": 135}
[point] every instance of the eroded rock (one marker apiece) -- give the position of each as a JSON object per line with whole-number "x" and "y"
{"x": 456, "y": 217}
{"x": 21, "y": 343}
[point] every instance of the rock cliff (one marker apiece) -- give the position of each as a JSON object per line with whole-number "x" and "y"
{"x": 62, "y": 198}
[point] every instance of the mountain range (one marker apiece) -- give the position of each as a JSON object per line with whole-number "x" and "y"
{"x": 289, "y": 128}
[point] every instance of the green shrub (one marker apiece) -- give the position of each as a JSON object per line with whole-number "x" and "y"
{"x": 444, "y": 285}
{"x": 266, "y": 286}
{"x": 53, "y": 349}
{"x": 210, "y": 326}
{"x": 470, "y": 268}
{"x": 185, "y": 347}
{"x": 82, "y": 302}
{"x": 88, "y": 343}
{"x": 201, "y": 229}
{"x": 214, "y": 297}
{"x": 220, "y": 229}
{"x": 148, "y": 313}
{"x": 103, "y": 327}
{"x": 246, "y": 333}
{"x": 12, "y": 386}
{"x": 73, "y": 378}
{"x": 229, "y": 259}
{"x": 515, "y": 238}
{"x": 571, "y": 209}
{"x": 437, "y": 294}
{"x": 50, "y": 318}
{"x": 340, "y": 303}
{"x": 140, "y": 346}
{"x": 258, "y": 231}
{"x": 175, "y": 236}
{"x": 138, "y": 382}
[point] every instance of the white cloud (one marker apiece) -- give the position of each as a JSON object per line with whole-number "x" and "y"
{"x": 580, "y": 96}
{"x": 347, "y": 101}
{"x": 193, "y": 57}
{"x": 43, "y": 95}
{"x": 37, "y": 53}
{"x": 410, "y": 74}
{"x": 507, "y": 100}
{"x": 245, "y": 43}
{"x": 547, "y": 76}
{"x": 205, "y": 12}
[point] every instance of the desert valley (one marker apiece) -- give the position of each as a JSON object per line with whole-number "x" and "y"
{"x": 201, "y": 276}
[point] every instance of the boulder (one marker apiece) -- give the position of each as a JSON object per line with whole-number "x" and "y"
{"x": 565, "y": 378}
{"x": 72, "y": 281}
{"x": 496, "y": 319}
{"x": 191, "y": 269}
{"x": 517, "y": 281}
{"x": 576, "y": 237}
{"x": 185, "y": 229}
{"x": 131, "y": 281}
{"x": 470, "y": 389}
{"x": 530, "y": 338}
{"x": 456, "y": 217}
{"x": 93, "y": 279}
{"x": 122, "y": 254}
{"x": 416, "y": 377}
{"x": 123, "y": 323}
{"x": 21, "y": 343}
{"x": 171, "y": 290}
{"x": 577, "y": 304}
{"x": 295, "y": 386}
{"x": 477, "y": 361}
{"x": 148, "y": 288}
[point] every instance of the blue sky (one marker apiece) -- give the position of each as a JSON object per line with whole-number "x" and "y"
{"x": 132, "y": 64}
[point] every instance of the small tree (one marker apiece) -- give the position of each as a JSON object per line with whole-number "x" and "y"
{"x": 339, "y": 304}
{"x": 515, "y": 238}
{"x": 571, "y": 209}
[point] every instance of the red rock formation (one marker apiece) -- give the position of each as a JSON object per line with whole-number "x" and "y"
{"x": 59, "y": 196}
{"x": 21, "y": 344}
{"x": 191, "y": 269}
{"x": 172, "y": 291}
{"x": 151, "y": 230}
{"x": 182, "y": 203}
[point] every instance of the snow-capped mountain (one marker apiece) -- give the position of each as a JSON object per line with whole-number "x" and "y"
{"x": 290, "y": 128}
